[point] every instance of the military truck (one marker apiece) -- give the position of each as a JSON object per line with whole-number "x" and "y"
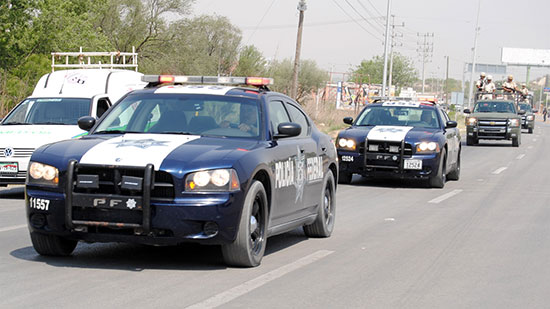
{"x": 527, "y": 119}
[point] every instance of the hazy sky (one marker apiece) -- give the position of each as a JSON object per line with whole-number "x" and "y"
{"x": 337, "y": 41}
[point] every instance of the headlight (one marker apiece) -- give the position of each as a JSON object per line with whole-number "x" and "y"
{"x": 530, "y": 117}
{"x": 220, "y": 180}
{"x": 471, "y": 121}
{"x": 43, "y": 174}
{"x": 427, "y": 147}
{"x": 346, "y": 143}
{"x": 514, "y": 122}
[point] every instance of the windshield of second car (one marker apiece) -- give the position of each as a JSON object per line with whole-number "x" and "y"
{"x": 526, "y": 107}
{"x": 399, "y": 116}
{"x": 495, "y": 107}
{"x": 213, "y": 115}
{"x": 64, "y": 111}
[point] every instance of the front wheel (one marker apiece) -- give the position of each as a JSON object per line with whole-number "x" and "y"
{"x": 530, "y": 131}
{"x": 344, "y": 178}
{"x": 438, "y": 180}
{"x": 470, "y": 141}
{"x": 52, "y": 245}
{"x": 248, "y": 248}
{"x": 515, "y": 142}
{"x": 324, "y": 223}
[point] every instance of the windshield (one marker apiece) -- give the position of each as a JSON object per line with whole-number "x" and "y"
{"x": 424, "y": 117}
{"x": 526, "y": 107}
{"x": 213, "y": 115}
{"x": 495, "y": 107}
{"x": 64, "y": 111}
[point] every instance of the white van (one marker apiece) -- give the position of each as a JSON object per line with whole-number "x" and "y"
{"x": 50, "y": 114}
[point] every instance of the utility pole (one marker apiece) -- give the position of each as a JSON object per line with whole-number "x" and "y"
{"x": 386, "y": 47}
{"x": 471, "y": 92}
{"x": 447, "y": 82}
{"x": 393, "y": 44}
{"x": 294, "y": 88}
{"x": 426, "y": 53}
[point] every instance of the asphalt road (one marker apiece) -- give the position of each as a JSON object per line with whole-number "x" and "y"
{"x": 481, "y": 242}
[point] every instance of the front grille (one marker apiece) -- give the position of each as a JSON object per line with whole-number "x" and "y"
{"x": 107, "y": 215}
{"x": 384, "y": 154}
{"x": 20, "y": 174}
{"x": 492, "y": 128}
{"x": 384, "y": 147}
{"x": 17, "y": 153}
{"x": 110, "y": 182}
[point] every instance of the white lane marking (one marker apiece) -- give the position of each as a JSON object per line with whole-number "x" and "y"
{"x": 500, "y": 170}
{"x": 534, "y": 139}
{"x": 11, "y": 228}
{"x": 530, "y": 147}
{"x": 445, "y": 196}
{"x": 239, "y": 290}
{"x": 521, "y": 156}
{"x": 389, "y": 219}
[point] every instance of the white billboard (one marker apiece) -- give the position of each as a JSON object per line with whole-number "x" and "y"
{"x": 526, "y": 56}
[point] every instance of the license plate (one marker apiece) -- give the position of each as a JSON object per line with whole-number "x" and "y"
{"x": 412, "y": 164}
{"x": 9, "y": 167}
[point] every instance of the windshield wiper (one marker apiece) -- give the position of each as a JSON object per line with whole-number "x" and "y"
{"x": 172, "y": 132}
{"x": 115, "y": 132}
{"x": 50, "y": 122}
{"x": 15, "y": 123}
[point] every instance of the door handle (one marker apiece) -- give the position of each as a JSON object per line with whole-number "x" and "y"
{"x": 324, "y": 149}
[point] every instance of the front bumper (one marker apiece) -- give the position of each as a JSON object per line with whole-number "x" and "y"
{"x": 19, "y": 172}
{"x": 355, "y": 163}
{"x": 500, "y": 133}
{"x": 211, "y": 218}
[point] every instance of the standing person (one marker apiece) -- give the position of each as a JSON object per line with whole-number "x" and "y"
{"x": 489, "y": 88}
{"x": 509, "y": 85}
{"x": 481, "y": 82}
{"x": 544, "y": 112}
{"x": 524, "y": 91}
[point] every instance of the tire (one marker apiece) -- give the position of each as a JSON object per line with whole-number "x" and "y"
{"x": 455, "y": 174}
{"x": 530, "y": 131}
{"x": 324, "y": 224}
{"x": 345, "y": 178}
{"x": 248, "y": 248}
{"x": 52, "y": 245}
{"x": 438, "y": 180}
{"x": 515, "y": 141}
{"x": 471, "y": 141}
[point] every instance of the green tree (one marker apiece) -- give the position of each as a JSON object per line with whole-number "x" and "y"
{"x": 15, "y": 27}
{"x": 404, "y": 73}
{"x": 251, "y": 62}
{"x": 310, "y": 77}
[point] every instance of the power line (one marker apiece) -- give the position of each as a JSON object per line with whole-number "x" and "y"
{"x": 362, "y": 17}
{"x": 375, "y": 18}
{"x": 261, "y": 20}
{"x": 365, "y": 29}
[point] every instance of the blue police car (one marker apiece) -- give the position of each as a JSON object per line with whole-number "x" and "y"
{"x": 188, "y": 159}
{"x": 393, "y": 139}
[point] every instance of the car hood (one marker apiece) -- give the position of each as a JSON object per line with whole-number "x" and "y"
{"x": 389, "y": 133}
{"x": 34, "y": 136}
{"x": 165, "y": 151}
{"x": 495, "y": 115}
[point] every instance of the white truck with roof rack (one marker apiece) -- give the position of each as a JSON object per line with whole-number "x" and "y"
{"x": 50, "y": 114}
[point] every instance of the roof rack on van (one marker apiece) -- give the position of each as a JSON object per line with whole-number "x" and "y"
{"x": 129, "y": 60}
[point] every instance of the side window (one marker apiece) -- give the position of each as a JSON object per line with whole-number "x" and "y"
{"x": 277, "y": 115}
{"x": 298, "y": 117}
{"x": 102, "y": 106}
{"x": 444, "y": 117}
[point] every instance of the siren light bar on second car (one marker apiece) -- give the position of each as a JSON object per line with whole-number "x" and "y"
{"x": 222, "y": 80}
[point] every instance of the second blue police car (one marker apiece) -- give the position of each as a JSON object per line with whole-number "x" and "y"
{"x": 391, "y": 139}
{"x": 206, "y": 162}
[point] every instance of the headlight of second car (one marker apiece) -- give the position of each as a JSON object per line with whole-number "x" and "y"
{"x": 346, "y": 143}
{"x": 219, "y": 180}
{"x": 530, "y": 117}
{"x": 427, "y": 147}
{"x": 471, "y": 121}
{"x": 43, "y": 174}
{"x": 514, "y": 122}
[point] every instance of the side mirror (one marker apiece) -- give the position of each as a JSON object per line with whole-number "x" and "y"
{"x": 86, "y": 122}
{"x": 466, "y": 111}
{"x": 348, "y": 120}
{"x": 288, "y": 129}
{"x": 451, "y": 124}
{"x": 521, "y": 112}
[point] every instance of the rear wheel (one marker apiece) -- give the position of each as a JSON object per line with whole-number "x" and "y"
{"x": 345, "y": 178}
{"x": 324, "y": 224}
{"x": 438, "y": 180}
{"x": 248, "y": 248}
{"x": 455, "y": 174}
{"x": 52, "y": 245}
